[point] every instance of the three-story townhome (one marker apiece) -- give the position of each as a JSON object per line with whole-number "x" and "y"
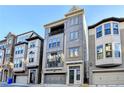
{"x": 106, "y": 52}
{"x": 65, "y": 49}
{"x": 6, "y": 57}
{"x": 28, "y": 58}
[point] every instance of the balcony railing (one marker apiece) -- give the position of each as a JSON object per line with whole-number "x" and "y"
{"x": 55, "y": 62}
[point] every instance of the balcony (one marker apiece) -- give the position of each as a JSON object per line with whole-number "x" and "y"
{"x": 55, "y": 62}
{"x": 57, "y": 30}
{"x": 109, "y": 62}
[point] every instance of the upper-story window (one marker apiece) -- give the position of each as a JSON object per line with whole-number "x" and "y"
{"x": 54, "y": 43}
{"x": 115, "y": 28}
{"x": 19, "y": 50}
{"x": 108, "y": 50}
{"x": 74, "y": 35}
{"x": 31, "y": 56}
{"x": 98, "y": 31}
{"x": 32, "y": 44}
{"x": 1, "y": 57}
{"x": 73, "y": 20}
{"x": 117, "y": 49}
{"x": 100, "y": 52}
{"x": 18, "y": 63}
{"x": 107, "y": 28}
{"x": 54, "y": 59}
{"x": 74, "y": 52}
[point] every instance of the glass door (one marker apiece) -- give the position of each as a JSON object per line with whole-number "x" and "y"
{"x": 71, "y": 76}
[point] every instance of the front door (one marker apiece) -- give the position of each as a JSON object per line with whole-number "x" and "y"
{"x": 74, "y": 75}
{"x": 32, "y": 76}
{"x": 5, "y": 75}
{"x": 71, "y": 76}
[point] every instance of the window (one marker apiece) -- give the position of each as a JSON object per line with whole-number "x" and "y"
{"x": 78, "y": 74}
{"x": 31, "y": 56}
{"x": 54, "y": 43}
{"x": 32, "y": 44}
{"x": 108, "y": 49}
{"x": 31, "y": 60}
{"x": 54, "y": 59}
{"x": 74, "y": 52}
{"x": 107, "y": 28}
{"x": 74, "y": 35}
{"x": 100, "y": 52}
{"x": 115, "y": 28}
{"x": 117, "y": 49}
{"x": 20, "y": 63}
{"x": 98, "y": 31}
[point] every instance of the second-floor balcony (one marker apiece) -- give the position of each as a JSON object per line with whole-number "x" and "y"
{"x": 54, "y": 62}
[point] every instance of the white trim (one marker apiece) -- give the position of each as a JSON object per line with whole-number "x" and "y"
{"x": 74, "y": 61}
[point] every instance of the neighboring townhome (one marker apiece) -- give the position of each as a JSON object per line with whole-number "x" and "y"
{"x": 66, "y": 49}
{"x": 28, "y": 58}
{"x": 6, "y": 57}
{"x": 106, "y": 52}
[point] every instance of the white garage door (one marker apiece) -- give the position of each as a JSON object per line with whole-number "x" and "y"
{"x": 21, "y": 79}
{"x": 108, "y": 78}
{"x": 55, "y": 79}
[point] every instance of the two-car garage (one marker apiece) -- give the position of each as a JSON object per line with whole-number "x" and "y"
{"x": 108, "y": 78}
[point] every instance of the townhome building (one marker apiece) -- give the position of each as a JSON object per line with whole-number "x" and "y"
{"x": 106, "y": 52}
{"x": 6, "y": 57}
{"x": 28, "y": 58}
{"x": 66, "y": 49}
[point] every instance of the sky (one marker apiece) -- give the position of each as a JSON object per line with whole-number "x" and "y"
{"x": 20, "y": 19}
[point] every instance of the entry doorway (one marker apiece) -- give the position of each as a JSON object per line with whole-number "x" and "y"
{"x": 74, "y": 74}
{"x": 32, "y": 76}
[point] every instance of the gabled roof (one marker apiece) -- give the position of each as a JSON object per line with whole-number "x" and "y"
{"x": 106, "y": 20}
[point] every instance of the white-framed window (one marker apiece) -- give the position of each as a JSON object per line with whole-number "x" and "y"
{"x": 108, "y": 50}
{"x": 117, "y": 50}
{"x": 100, "y": 52}
{"x": 32, "y": 44}
{"x": 99, "y": 31}
{"x": 74, "y": 52}
{"x": 74, "y": 35}
{"x": 55, "y": 42}
{"x": 115, "y": 28}
{"x": 107, "y": 28}
{"x": 31, "y": 56}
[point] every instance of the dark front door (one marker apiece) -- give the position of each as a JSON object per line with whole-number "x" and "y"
{"x": 32, "y": 76}
{"x": 71, "y": 76}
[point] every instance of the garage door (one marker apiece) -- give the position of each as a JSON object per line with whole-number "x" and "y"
{"x": 55, "y": 79}
{"x": 108, "y": 78}
{"x": 21, "y": 79}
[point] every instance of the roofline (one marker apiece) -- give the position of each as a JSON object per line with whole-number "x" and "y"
{"x": 54, "y": 22}
{"x": 30, "y": 32}
{"x": 2, "y": 40}
{"x": 105, "y": 20}
{"x": 24, "y": 33}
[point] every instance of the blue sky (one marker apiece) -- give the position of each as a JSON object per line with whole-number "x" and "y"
{"x": 19, "y": 19}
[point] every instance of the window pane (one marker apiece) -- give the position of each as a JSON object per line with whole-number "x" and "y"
{"x": 100, "y": 52}
{"x": 117, "y": 50}
{"x": 98, "y": 31}
{"x": 108, "y": 49}
{"x": 107, "y": 28}
{"x": 115, "y": 28}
